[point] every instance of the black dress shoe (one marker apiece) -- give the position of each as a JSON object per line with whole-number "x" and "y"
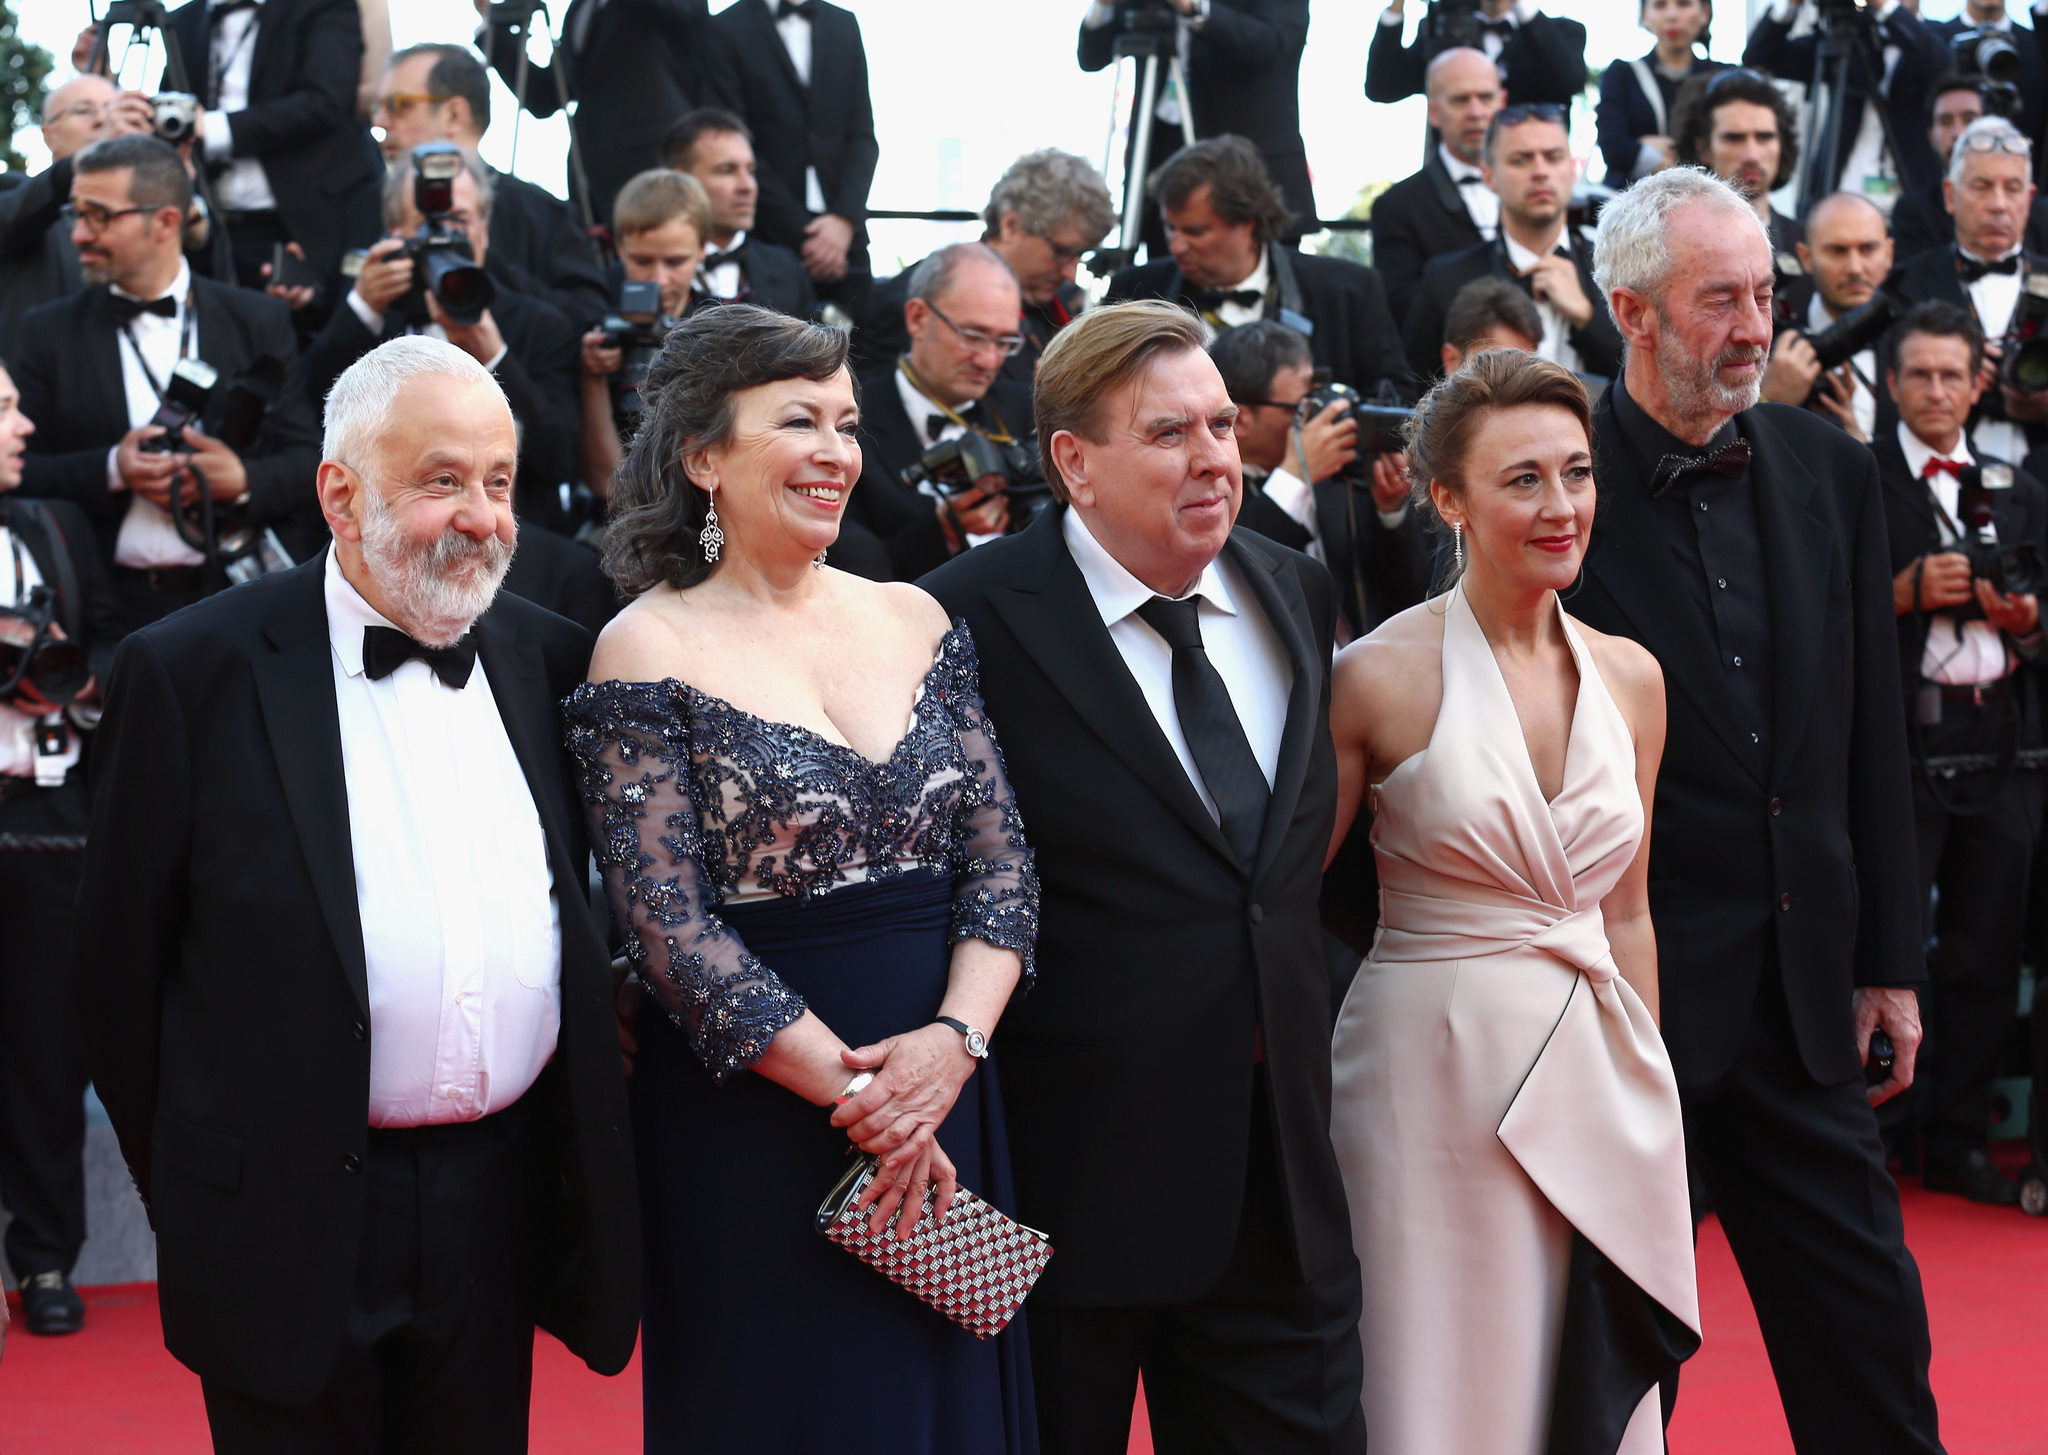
{"x": 1971, "y": 1176}
{"x": 50, "y": 1305}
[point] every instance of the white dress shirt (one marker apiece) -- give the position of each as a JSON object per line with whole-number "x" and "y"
{"x": 1481, "y": 201}
{"x": 18, "y": 757}
{"x": 1993, "y": 297}
{"x": 462, "y": 935}
{"x": 1245, "y": 650}
{"x": 795, "y": 31}
{"x": 725, "y": 279}
{"x": 1556, "y": 344}
{"x": 147, "y": 537}
{"x": 243, "y": 186}
{"x": 1236, "y": 315}
{"x": 1958, "y": 654}
{"x": 1297, "y": 497}
{"x": 1862, "y": 403}
{"x": 922, "y": 411}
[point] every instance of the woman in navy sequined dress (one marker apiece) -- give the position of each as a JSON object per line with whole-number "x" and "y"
{"x": 812, "y": 854}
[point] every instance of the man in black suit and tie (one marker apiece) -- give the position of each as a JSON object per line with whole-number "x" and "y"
{"x": 961, "y": 319}
{"x": 802, "y": 76}
{"x": 342, "y": 992}
{"x": 1224, "y": 218}
{"x": 1744, "y": 545}
{"x": 1528, "y": 163}
{"x": 1920, "y": 219}
{"x": 1540, "y": 57}
{"x": 1447, "y": 206}
{"x": 716, "y": 148}
{"x": 94, "y": 366}
{"x": 1163, "y": 685}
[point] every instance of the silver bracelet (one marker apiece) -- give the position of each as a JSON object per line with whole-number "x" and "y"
{"x": 854, "y": 1088}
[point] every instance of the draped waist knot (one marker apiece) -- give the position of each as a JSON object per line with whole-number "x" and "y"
{"x": 1420, "y": 926}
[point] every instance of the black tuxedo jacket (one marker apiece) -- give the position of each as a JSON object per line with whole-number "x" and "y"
{"x": 37, "y": 261}
{"x": 1814, "y": 861}
{"x": 69, "y": 373}
{"x": 639, "y": 65}
{"x": 1932, "y": 278}
{"x": 220, "y": 979}
{"x": 829, "y": 125}
{"x": 890, "y": 442}
{"x": 1544, "y": 60}
{"x": 537, "y": 230}
{"x": 564, "y": 576}
{"x": 1355, "y": 337}
{"x": 301, "y": 117}
{"x": 773, "y": 277}
{"x": 1922, "y": 223}
{"x": 1378, "y": 571}
{"x": 1128, "y": 1070}
{"x": 1418, "y": 218}
{"x": 1923, "y": 56}
{"x": 1244, "y": 79}
{"x": 1598, "y": 343}
{"x": 538, "y": 374}
{"x": 1627, "y": 112}
{"x": 882, "y": 335}
{"x": 59, "y": 539}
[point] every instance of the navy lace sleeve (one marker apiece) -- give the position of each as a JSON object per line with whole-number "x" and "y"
{"x": 995, "y": 887}
{"x": 631, "y": 745}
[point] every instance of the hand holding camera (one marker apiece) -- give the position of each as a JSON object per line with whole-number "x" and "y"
{"x": 1328, "y": 440}
{"x": 386, "y": 276}
{"x": 149, "y": 472}
{"x": 602, "y": 357}
{"x": 1794, "y": 367}
{"x": 226, "y": 478}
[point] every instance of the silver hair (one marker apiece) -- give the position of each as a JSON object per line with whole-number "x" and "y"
{"x": 1997, "y": 126}
{"x": 930, "y": 279}
{"x": 362, "y": 397}
{"x": 1629, "y": 250}
{"x": 1048, "y": 187}
{"x": 398, "y": 187}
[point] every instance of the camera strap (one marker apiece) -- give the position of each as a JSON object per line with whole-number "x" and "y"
{"x": 184, "y": 344}
{"x": 999, "y": 435}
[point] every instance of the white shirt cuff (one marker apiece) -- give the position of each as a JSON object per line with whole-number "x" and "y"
{"x": 371, "y": 318}
{"x": 218, "y": 136}
{"x": 1392, "y": 519}
{"x": 1293, "y": 495}
{"x": 1098, "y": 15}
{"x": 1390, "y": 17}
{"x": 499, "y": 357}
{"x": 114, "y": 481}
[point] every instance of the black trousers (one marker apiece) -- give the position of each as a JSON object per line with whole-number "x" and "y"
{"x": 1263, "y": 1363}
{"x": 1796, "y": 1172}
{"x": 1982, "y": 865}
{"x": 142, "y": 603}
{"x": 437, "y": 1355}
{"x": 42, "y": 1058}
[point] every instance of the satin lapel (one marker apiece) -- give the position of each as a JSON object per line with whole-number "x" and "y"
{"x": 295, "y": 686}
{"x": 103, "y": 348}
{"x": 519, "y": 687}
{"x": 1630, "y": 561}
{"x": 1048, "y": 607}
{"x": 1897, "y": 481}
{"x": 1796, "y": 549}
{"x": 1288, "y": 614}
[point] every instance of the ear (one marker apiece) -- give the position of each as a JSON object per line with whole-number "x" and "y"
{"x": 1450, "y": 359}
{"x": 460, "y": 118}
{"x": 1636, "y": 316}
{"x": 1948, "y": 193}
{"x": 1449, "y": 509}
{"x": 700, "y": 470}
{"x": 917, "y": 316}
{"x": 337, "y": 486}
{"x": 1891, "y": 382}
{"x": 1071, "y": 460}
{"x": 1805, "y": 256}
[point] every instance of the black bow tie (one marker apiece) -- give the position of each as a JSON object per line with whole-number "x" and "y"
{"x": 1730, "y": 460}
{"x": 803, "y": 11}
{"x": 1972, "y": 269}
{"x": 731, "y": 255}
{"x": 1211, "y": 299}
{"x": 933, "y": 423}
{"x": 1472, "y": 180}
{"x": 126, "y": 308}
{"x": 386, "y": 649}
{"x": 1502, "y": 28}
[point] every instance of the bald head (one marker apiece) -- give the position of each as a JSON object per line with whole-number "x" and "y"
{"x": 75, "y": 115}
{"x": 1464, "y": 92}
{"x": 1847, "y": 209}
{"x": 1848, "y": 250}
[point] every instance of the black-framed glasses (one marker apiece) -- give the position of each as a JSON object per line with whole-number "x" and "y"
{"x": 97, "y": 219}
{"x": 976, "y": 340}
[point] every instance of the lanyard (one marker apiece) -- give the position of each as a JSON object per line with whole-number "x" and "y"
{"x": 184, "y": 345}
{"x": 222, "y": 64}
{"x": 1000, "y": 435}
{"x": 20, "y": 570}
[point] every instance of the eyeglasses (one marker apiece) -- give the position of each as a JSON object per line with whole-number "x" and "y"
{"x": 1986, "y": 142}
{"x": 1061, "y": 253}
{"x": 977, "y": 341}
{"x": 1529, "y": 111}
{"x": 77, "y": 108}
{"x": 1290, "y": 405}
{"x": 97, "y": 219}
{"x": 399, "y": 102}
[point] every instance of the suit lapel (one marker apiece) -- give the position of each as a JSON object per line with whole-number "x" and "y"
{"x": 770, "y": 39}
{"x": 103, "y": 350}
{"x": 1897, "y": 481}
{"x": 295, "y": 686}
{"x": 1288, "y": 615}
{"x": 1796, "y": 545}
{"x": 1447, "y": 193}
{"x": 519, "y": 687}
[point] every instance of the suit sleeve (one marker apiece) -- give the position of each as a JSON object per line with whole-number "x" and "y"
{"x": 333, "y": 349}
{"x": 541, "y": 384}
{"x": 574, "y": 279}
{"x": 327, "y": 66}
{"x": 1599, "y": 342}
{"x": 1377, "y": 339}
{"x": 1398, "y": 255}
{"x": 132, "y": 893}
{"x": 1272, "y": 33}
{"x": 848, "y": 194}
{"x": 79, "y": 476}
{"x": 286, "y": 460}
{"x": 1546, "y": 61}
{"x": 1097, "y": 46}
{"x": 1615, "y": 125}
{"x": 29, "y": 211}
{"x": 1393, "y": 72}
{"x": 1771, "y": 48}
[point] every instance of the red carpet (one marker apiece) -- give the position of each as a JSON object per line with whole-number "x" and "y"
{"x": 113, "y": 1390}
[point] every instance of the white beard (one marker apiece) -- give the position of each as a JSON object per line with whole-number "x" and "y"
{"x": 1695, "y": 388}
{"x": 441, "y": 587}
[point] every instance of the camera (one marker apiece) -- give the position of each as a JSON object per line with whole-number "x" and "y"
{"x": 2012, "y": 570}
{"x": 443, "y": 263}
{"x": 55, "y": 668}
{"x": 1455, "y": 23}
{"x": 184, "y": 403}
{"x": 1150, "y": 17}
{"x": 637, "y": 328}
{"x": 1988, "y": 53}
{"x": 2024, "y": 362}
{"x": 176, "y": 114}
{"x": 953, "y": 467}
{"x": 1380, "y": 426}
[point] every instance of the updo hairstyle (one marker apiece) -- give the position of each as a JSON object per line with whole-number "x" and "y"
{"x": 656, "y": 512}
{"x": 1440, "y": 431}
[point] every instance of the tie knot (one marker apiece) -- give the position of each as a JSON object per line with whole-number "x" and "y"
{"x": 386, "y": 649}
{"x": 1938, "y": 466}
{"x": 1177, "y": 621}
{"x": 126, "y": 308}
{"x": 1974, "y": 268}
{"x": 1729, "y": 460}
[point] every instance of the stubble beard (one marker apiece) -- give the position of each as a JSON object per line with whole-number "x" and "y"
{"x": 441, "y": 586}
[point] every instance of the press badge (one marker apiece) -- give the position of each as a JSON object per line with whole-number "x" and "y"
{"x": 1298, "y": 322}
{"x": 53, "y": 740}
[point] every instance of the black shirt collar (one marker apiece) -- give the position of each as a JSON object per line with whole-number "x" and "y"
{"x": 1649, "y": 440}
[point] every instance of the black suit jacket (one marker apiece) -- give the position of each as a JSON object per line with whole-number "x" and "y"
{"x": 59, "y": 539}
{"x": 1130, "y": 1065}
{"x": 1244, "y": 79}
{"x": 1598, "y": 343}
{"x": 1922, "y": 223}
{"x": 301, "y": 117}
{"x": 773, "y": 277}
{"x": 1544, "y": 60}
{"x": 1813, "y": 862}
{"x": 1378, "y": 571}
{"x": 1922, "y": 58}
{"x": 537, "y": 230}
{"x": 221, "y": 984}
{"x": 1627, "y": 112}
{"x": 564, "y": 576}
{"x": 639, "y": 66}
{"x": 37, "y": 261}
{"x": 1355, "y": 337}
{"x": 1418, "y": 218}
{"x": 69, "y": 373}
{"x": 829, "y": 125}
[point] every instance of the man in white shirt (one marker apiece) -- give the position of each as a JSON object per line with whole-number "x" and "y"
{"x": 341, "y": 990}
{"x": 1847, "y": 254}
{"x": 1540, "y": 57}
{"x": 716, "y": 148}
{"x": 1447, "y": 206}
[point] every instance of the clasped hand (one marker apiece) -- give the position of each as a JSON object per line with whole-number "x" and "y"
{"x": 918, "y": 1077}
{"x": 153, "y": 474}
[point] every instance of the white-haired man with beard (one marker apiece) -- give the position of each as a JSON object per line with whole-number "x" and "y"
{"x": 1745, "y": 546}
{"x": 342, "y": 994}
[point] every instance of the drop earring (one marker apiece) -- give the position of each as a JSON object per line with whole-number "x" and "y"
{"x": 711, "y": 539}
{"x": 819, "y": 563}
{"x": 1458, "y": 543}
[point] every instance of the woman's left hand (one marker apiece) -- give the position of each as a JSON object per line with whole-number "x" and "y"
{"x": 899, "y": 1197}
{"x": 918, "y": 1077}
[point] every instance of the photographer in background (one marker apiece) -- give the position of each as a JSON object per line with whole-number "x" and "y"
{"x": 1638, "y": 99}
{"x": 1242, "y": 59}
{"x": 1045, "y": 213}
{"x": 1447, "y": 206}
{"x": 1489, "y": 313}
{"x": 55, "y": 593}
{"x": 1987, "y": 19}
{"x": 1741, "y": 128}
{"x": 1305, "y": 485}
{"x": 1224, "y": 218}
{"x": 526, "y": 343}
{"x": 143, "y": 312}
{"x": 1921, "y": 221}
{"x": 1540, "y": 57}
{"x": 1846, "y": 256}
{"x": 961, "y": 318}
{"x": 716, "y": 148}
{"x": 1963, "y": 642}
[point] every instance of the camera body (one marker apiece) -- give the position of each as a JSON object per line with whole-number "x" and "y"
{"x": 55, "y": 668}
{"x": 184, "y": 403}
{"x": 2012, "y": 570}
{"x": 637, "y": 328}
{"x": 1380, "y": 426}
{"x": 953, "y": 467}
{"x": 443, "y": 263}
{"x": 1986, "y": 52}
{"x": 1455, "y": 23}
{"x": 1148, "y": 17}
{"x": 176, "y": 116}
{"x": 2024, "y": 353}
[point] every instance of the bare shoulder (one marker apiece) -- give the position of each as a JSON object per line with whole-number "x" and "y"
{"x": 914, "y": 607}
{"x": 1405, "y": 645}
{"x": 1634, "y": 679}
{"x": 646, "y": 642}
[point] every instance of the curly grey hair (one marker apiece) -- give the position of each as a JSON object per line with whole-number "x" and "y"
{"x": 1629, "y": 250}
{"x": 1047, "y": 187}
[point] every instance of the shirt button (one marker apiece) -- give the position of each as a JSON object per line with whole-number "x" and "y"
{"x": 1722, "y": 582}
{"x": 1258, "y": 915}
{"x": 1738, "y": 661}
{"x": 1776, "y": 804}
{"x": 362, "y": 1031}
{"x": 1784, "y": 901}
{"x": 350, "y": 1162}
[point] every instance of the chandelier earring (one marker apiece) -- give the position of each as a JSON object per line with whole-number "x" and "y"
{"x": 819, "y": 563}
{"x": 711, "y": 539}
{"x": 1458, "y": 543}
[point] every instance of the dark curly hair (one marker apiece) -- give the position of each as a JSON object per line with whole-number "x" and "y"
{"x": 656, "y": 513}
{"x": 1692, "y": 115}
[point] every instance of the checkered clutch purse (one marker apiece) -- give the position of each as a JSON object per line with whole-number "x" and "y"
{"x": 975, "y": 1267}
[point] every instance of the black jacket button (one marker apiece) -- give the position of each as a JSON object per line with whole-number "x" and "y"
{"x": 1258, "y": 915}
{"x": 350, "y": 1162}
{"x": 1776, "y": 805}
{"x": 1784, "y": 901}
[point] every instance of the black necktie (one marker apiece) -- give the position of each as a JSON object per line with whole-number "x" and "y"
{"x": 802, "y": 10}
{"x": 1210, "y": 723}
{"x": 1973, "y": 268}
{"x": 386, "y": 649}
{"x": 126, "y": 308}
{"x": 1730, "y": 460}
{"x": 1211, "y": 299}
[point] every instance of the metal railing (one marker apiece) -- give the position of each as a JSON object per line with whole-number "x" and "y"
{"x": 1322, "y": 224}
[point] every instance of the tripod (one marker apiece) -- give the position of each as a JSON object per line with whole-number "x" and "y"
{"x": 151, "y": 16}
{"x": 1848, "y": 37}
{"x": 517, "y": 17}
{"x": 1146, "y": 47}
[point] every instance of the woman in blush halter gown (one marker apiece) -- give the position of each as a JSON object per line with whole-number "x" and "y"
{"x": 1504, "y": 1112}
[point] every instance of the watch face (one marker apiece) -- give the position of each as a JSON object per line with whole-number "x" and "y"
{"x": 977, "y": 1044}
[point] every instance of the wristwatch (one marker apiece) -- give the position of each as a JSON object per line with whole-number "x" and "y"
{"x": 976, "y": 1038}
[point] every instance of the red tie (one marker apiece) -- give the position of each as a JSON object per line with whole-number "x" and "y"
{"x": 1936, "y": 465}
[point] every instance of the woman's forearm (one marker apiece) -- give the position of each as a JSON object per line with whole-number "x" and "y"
{"x": 804, "y": 1057}
{"x": 1633, "y": 942}
{"x": 980, "y": 983}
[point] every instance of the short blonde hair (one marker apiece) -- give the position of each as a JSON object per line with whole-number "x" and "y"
{"x": 658, "y": 196}
{"x": 1094, "y": 356}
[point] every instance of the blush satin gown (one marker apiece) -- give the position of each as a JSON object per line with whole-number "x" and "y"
{"x": 1505, "y": 1114}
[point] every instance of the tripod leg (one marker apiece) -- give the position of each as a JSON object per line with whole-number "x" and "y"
{"x": 1140, "y": 155}
{"x": 1178, "y": 78}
